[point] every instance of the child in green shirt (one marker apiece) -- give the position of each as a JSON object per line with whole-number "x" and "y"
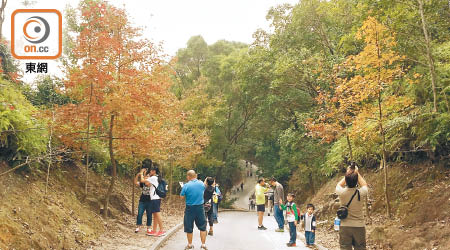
{"x": 292, "y": 218}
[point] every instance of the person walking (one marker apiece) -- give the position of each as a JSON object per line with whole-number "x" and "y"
{"x": 352, "y": 232}
{"x": 192, "y": 192}
{"x": 144, "y": 200}
{"x": 242, "y": 187}
{"x": 217, "y": 198}
{"x": 208, "y": 198}
{"x": 260, "y": 189}
{"x": 292, "y": 218}
{"x": 155, "y": 202}
{"x": 278, "y": 194}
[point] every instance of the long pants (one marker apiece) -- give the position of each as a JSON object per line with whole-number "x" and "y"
{"x": 310, "y": 237}
{"x": 352, "y": 236}
{"x": 292, "y": 232}
{"x": 215, "y": 207}
{"x": 278, "y": 214}
{"x": 144, "y": 206}
{"x": 209, "y": 217}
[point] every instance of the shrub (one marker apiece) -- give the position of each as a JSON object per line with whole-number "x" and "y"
{"x": 21, "y": 133}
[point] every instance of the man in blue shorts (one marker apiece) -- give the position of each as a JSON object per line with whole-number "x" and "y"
{"x": 194, "y": 212}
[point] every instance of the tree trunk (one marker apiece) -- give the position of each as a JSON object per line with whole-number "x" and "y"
{"x": 50, "y": 160}
{"x": 349, "y": 143}
{"x": 2, "y": 17}
{"x": 311, "y": 183}
{"x": 113, "y": 163}
{"x": 133, "y": 196}
{"x": 386, "y": 196}
{"x": 87, "y": 156}
{"x": 171, "y": 179}
{"x": 429, "y": 55}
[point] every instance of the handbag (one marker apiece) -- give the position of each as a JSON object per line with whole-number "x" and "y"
{"x": 207, "y": 206}
{"x": 342, "y": 211}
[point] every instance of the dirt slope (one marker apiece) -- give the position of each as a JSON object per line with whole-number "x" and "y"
{"x": 64, "y": 219}
{"x": 420, "y": 201}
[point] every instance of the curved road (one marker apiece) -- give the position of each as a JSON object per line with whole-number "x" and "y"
{"x": 238, "y": 230}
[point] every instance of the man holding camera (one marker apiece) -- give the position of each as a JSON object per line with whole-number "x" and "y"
{"x": 352, "y": 231}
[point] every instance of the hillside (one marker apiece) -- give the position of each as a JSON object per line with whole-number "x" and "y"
{"x": 420, "y": 203}
{"x": 64, "y": 220}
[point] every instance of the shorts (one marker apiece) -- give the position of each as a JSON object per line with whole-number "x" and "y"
{"x": 194, "y": 213}
{"x": 155, "y": 205}
{"x": 261, "y": 208}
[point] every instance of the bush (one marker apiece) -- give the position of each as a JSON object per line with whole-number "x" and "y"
{"x": 21, "y": 133}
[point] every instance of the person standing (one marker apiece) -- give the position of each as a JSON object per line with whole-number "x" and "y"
{"x": 292, "y": 218}
{"x": 192, "y": 192}
{"x": 278, "y": 194}
{"x": 352, "y": 232}
{"x": 260, "y": 189}
{"x": 217, "y": 198}
{"x": 242, "y": 187}
{"x": 155, "y": 201}
{"x": 309, "y": 220}
{"x": 208, "y": 198}
{"x": 144, "y": 200}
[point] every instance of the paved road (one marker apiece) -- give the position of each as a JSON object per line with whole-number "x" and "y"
{"x": 237, "y": 231}
{"x": 249, "y": 188}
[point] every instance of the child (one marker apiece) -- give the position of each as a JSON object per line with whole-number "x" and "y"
{"x": 292, "y": 217}
{"x": 309, "y": 220}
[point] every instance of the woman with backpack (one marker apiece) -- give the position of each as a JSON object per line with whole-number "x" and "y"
{"x": 155, "y": 201}
{"x": 208, "y": 199}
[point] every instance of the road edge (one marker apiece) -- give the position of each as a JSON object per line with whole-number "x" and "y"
{"x": 157, "y": 245}
{"x": 302, "y": 236}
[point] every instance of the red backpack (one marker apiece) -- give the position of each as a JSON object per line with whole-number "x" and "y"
{"x": 298, "y": 214}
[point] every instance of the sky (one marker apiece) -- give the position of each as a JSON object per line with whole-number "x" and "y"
{"x": 173, "y": 22}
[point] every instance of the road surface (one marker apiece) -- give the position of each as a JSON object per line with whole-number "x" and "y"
{"x": 238, "y": 230}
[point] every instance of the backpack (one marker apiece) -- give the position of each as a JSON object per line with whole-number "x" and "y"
{"x": 298, "y": 215}
{"x": 161, "y": 189}
{"x": 218, "y": 194}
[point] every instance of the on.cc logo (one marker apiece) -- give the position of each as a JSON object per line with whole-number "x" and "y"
{"x": 36, "y": 34}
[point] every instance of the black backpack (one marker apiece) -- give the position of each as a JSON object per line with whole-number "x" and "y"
{"x": 342, "y": 211}
{"x": 161, "y": 189}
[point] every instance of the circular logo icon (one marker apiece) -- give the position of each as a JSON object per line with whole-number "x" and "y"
{"x": 36, "y": 29}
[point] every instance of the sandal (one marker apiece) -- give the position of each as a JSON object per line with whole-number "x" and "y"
{"x": 189, "y": 247}
{"x": 203, "y": 247}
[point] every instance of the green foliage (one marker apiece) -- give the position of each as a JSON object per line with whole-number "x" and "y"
{"x": 99, "y": 159}
{"x": 9, "y": 67}
{"x": 47, "y": 92}
{"x": 21, "y": 132}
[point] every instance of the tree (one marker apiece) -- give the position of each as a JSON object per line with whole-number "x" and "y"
{"x": 375, "y": 68}
{"x": 120, "y": 88}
